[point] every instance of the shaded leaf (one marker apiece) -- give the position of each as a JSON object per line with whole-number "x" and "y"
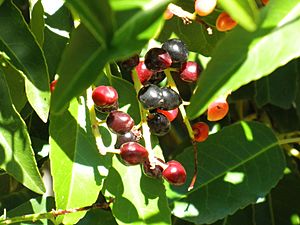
{"x": 17, "y": 157}
{"x": 77, "y": 167}
{"x": 37, "y": 22}
{"x": 98, "y": 217}
{"x": 242, "y": 57}
{"x": 237, "y": 165}
{"x": 19, "y": 44}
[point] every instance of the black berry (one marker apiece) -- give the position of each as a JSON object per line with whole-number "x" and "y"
{"x": 127, "y": 137}
{"x": 177, "y": 50}
{"x": 150, "y": 96}
{"x": 157, "y": 59}
{"x": 119, "y": 122}
{"x": 130, "y": 63}
{"x": 133, "y": 153}
{"x": 159, "y": 124}
{"x": 175, "y": 173}
{"x": 156, "y": 78}
{"x": 171, "y": 99}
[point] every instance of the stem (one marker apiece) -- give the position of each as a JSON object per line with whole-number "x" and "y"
{"x": 191, "y": 186}
{"x": 289, "y": 140}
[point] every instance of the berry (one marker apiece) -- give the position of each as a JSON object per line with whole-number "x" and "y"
{"x": 159, "y": 124}
{"x": 157, "y": 59}
{"x": 130, "y": 63}
{"x": 52, "y": 85}
{"x": 119, "y": 122}
{"x": 175, "y": 173}
{"x": 225, "y": 22}
{"x": 143, "y": 73}
{"x": 177, "y": 50}
{"x": 104, "y": 95}
{"x": 264, "y": 2}
{"x": 217, "y": 110}
{"x": 171, "y": 99}
{"x": 189, "y": 71}
{"x": 150, "y": 96}
{"x": 205, "y": 7}
{"x": 170, "y": 114}
{"x": 133, "y": 153}
{"x": 156, "y": 78}
{"x": 156, "y": 172}
{"x": 201, "y": 131}
{"x": 127, "y": 137}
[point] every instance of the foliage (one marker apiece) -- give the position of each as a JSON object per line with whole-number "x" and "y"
{"x": 52, "y": 166}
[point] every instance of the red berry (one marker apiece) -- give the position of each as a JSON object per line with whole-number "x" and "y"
{"x": 205, "y": 7}
{"x": 143, "y": 73}
{"x": 217, "y": 110}
{"x": 119, "y": 122}
{"x": 265, "y": 2}
{"x": 170, "y": 114}
{"x": 104, "y": 95}
{"x": 189, "y": 71}
{"x": 225, "y": 22}
{"x": 201, "y": 131}
{"x": 133, "y": 153}
{"x": 175, "y": 173}
{"x": 52, "y": 85}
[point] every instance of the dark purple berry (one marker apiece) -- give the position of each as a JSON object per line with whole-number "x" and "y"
{"x": 104, "y": 95}
{"x": 156, "y": 172}
{"x": 171, "y": 99}
{"x": 159, "y": 124}
{"x": 189, "y": 72}
{"x": 175, "y": 173}
{"x": 156, "y": 78}
{"x": 130, "y": 63}
{"x": 119, "y": 122}
{"x": 150, "y": 96}
{"x": 177, "y": 50}
{"x": 157, "y": 59}
{"x": 133, "y": 153}
{"x": 127, "y": 137}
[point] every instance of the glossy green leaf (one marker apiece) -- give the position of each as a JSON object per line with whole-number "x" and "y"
{"x": 279, "y": 88}
{"x": 236, "y": 166}
{"x": 19, "y": 44}
{"x": 37, "y": 22}
{"x": 138, "y": 199}
{"x": 244, "y": 12}
{"x": 77, "y": 167}
{"x": 242, "y": 57}
{"x": 97, "y": 16}
{"x": 17, "y": 157}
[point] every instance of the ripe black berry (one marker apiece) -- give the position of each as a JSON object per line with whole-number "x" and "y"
{"x": 177, "y": 50}
{"x": 104, "y": 96}
{"x": 150, "y": 96}
{"x": 189, "y": 71}
{"x": 171, "y": 99}
{"x": 156, "y": 78}
{"x": 157, "y": 59}
{"x": 133, "y": 153}
{"x": 130, "y": 63}
{"x": 119, "y": 122}
{"x": 175, "y": 173}
{"x": 127, "y": 137}
{"x": 159, "y": 124}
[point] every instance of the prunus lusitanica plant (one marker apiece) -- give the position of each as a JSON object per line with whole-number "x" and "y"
{"x": 150, "y": 112}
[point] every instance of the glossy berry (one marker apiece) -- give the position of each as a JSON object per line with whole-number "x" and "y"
{"x": 225, "y": 22}
{"x": 201, "y": 131}
{"x": 143, "y": 73}
{"x": 171, "y": 99}
{"x": 52, "y": 85}
{"x": 265, "y": 2}
{"x": 177, "y": 50}
{"x": 170, "y": 114}
{"x": 175, "y": 173}
{"x": 150, "y": 96}
{"x": 133, "y": 153}
{"x": 205, "y": 7}
{"x": 156, "y": 172}
{"x": 189, "y": 71}
{"x": 119, "y": 122}
{"x": 127, "y": 137}
{"x": 104, "y": 95}
{"x": 156, "y": 78}
{"x": 159, "y": 124}
{"x": 130, "y": 63}
{"x": 157, "y": 59}
{"x": 217, "y": 110}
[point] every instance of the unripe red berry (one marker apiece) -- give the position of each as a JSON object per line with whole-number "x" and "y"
{"x": 217, "y": 110}
{"x": 119, "y": 122}
{"x": 225, "y": 22}
{"x": 170, "y": 114}
{"x": 104, "y": 95}
{"x": 174, "y": 173}
{"x": 189, "y": 71}
{"x": 201, "y": 131}
{"x": 52, "y": 85}
{"x": 133, "y": 153}
{"x": 205, "y": 7}
{"x": 143, "y": 73}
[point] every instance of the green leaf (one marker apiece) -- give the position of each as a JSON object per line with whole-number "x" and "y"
{"x": 19, "y": 44}
{"x": 242, "y": 57}
{"x": 143, "y": 198}
{"x": 279, "y": 88}
{"x": 17, "y": 157}
{"x": 236, "y": 166}
{"x": 97, "y": 16}
{"x": 37, "y": 22}
{"x": 77, "y": 167}
{"x": 244, "y": 12}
